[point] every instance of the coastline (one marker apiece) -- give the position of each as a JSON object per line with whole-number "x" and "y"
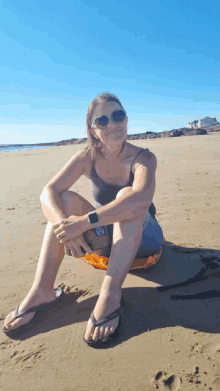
{"x": 180, "y": 132}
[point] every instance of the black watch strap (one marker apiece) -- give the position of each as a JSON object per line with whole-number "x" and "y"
{"x": 93, "y": 218}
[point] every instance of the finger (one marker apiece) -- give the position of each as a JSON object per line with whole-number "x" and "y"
{"x": 57, "y": 224}
{"x": 76, "y": 247}
{"x": 79, "y": 251}
{"x": 86, "y": 247}
{"x": 75, "y": 255}
{"x": 61, "y": 235}
{"x": 58, "y": 230}
{"x": 74, "y": 252}
{"x": 63, "y": 240}
{"x": 67, "y": 251}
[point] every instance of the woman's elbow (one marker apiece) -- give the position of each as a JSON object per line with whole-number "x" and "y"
{"x": 44, "y": 195}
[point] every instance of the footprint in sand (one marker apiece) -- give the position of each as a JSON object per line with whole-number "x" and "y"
{"x": 72, "y": 289}
{"x": 66, "y": 288}
{"x": 21, "y": 359}
{"x": 163, "y": 382}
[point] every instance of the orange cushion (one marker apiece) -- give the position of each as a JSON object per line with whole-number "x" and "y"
{"x": 139, "y": 263}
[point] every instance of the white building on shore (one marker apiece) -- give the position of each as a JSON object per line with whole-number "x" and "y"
{"x": 207, "y": 121}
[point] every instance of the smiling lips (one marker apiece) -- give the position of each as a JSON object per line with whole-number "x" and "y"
{"x": 117, "y": 131}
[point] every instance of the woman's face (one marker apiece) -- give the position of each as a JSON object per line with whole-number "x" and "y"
{"x": 114, "y": 133}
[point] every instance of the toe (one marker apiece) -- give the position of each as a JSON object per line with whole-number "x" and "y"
{"x": 107, "y": 332}
{"x": 101, "y": 332}
{"x": 89, "y": 330}
{"x": 96, "y": 334}
{"x": 13, "y": 323}
{"x": 112, "y": 329}
{"x": 8, "y": 319}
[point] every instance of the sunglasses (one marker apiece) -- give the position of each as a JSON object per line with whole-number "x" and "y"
{"x": 116, "y": 116}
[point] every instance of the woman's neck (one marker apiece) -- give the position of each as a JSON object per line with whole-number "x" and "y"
{"x": 112, "y": 154}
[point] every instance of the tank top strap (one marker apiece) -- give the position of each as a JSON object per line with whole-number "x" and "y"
{"x": 143, "y": 149}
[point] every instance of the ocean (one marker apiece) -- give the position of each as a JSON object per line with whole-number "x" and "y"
{"x": 20, "y": 148}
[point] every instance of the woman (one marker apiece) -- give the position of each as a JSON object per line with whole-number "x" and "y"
{"x": 123, "y": 180}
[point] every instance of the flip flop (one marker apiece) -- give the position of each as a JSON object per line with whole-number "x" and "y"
{"x": 37, "y": 309}
{"x": 102, "y": 342}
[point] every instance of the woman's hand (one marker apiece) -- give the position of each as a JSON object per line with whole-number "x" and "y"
{"x": 75, "y": 247}
{"x": 68, "y": 229}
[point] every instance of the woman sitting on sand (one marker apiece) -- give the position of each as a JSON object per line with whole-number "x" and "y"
{"x": 123, "y": 180}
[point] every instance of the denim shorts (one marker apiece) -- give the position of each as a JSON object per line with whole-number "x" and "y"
{"x": 152, "y": 236}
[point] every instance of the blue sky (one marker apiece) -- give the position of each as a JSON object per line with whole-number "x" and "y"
{"x": 161, "y": 58}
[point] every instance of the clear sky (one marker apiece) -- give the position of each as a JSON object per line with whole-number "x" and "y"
{"x": 162, "y": 58}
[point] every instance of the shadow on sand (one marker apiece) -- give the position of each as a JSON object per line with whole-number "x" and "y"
{"x": 152, "y": 306}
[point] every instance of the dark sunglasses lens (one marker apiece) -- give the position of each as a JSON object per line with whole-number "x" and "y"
{"x": 118, "y": 115}
{"x": 101, "y": 121}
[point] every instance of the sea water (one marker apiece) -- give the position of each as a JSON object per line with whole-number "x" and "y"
{"x": 19, "y": 148}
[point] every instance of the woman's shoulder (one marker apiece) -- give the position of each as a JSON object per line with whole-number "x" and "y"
{"x": 142, "y": 156}
{"x": 137, "y": 152}
{"x": 85, "y": 160}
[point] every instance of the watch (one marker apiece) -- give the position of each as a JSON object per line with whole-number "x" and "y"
{"x": 93, "y": 218}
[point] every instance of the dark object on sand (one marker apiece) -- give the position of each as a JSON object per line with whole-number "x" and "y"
{"x": 210, "y": 264}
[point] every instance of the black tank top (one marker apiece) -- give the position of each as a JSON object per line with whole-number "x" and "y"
{"x": 103, "y": 192}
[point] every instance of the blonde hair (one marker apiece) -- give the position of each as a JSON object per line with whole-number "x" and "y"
{"x": 93, "y": 143}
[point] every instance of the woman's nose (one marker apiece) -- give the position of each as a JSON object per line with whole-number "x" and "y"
{"x": 111, "y": 122}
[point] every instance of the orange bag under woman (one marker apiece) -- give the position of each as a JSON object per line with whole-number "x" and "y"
{"x": 139, "y": 263}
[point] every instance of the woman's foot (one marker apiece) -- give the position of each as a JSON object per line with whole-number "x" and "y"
{"x": 106, "y": 304}
{"x": 33, "y": 298}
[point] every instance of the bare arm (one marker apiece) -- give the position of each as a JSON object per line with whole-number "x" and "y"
{"x": 123, "y": 208}
{"x": 140, "y": 197}
{"x": 51, "y": 201}
{"x": 52, "y": 205}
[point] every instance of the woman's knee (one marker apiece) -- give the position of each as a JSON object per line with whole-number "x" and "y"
{"x": 75, "y": 204}
{"x": 139, "y": 215}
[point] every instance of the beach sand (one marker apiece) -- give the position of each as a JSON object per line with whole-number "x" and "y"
{"x": 166, "y": 344}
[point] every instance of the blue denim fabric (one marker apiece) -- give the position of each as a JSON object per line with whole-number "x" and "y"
{"x": 152, "y": 236}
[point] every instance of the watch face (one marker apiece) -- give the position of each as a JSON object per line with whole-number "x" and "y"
{"x": 99, "y": 231}
{"x": 93, "y": 218}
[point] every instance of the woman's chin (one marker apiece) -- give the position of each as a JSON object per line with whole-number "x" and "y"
{"x": 118, "y": 136}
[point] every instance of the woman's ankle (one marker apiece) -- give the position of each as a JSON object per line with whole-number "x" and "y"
{"x": 111, "y": 286}
{"x": 36, "y": 293}
{"x": 110, "y": 293}
{"x": 38, "y": 288}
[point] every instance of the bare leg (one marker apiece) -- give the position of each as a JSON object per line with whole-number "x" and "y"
{"x": 126, "y": 239}
{"x": 51, "y": 255}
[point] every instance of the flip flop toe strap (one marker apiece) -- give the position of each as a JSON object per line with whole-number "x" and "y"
{"x": 40, "y": 307}
{"x": 113, "y": 315}
{"x": 18, "y": 315}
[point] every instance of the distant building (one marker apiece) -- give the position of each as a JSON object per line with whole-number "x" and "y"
{"x": 207, "y": 121}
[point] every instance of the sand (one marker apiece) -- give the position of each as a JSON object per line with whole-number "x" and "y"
{"x": 166, "y": 344}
